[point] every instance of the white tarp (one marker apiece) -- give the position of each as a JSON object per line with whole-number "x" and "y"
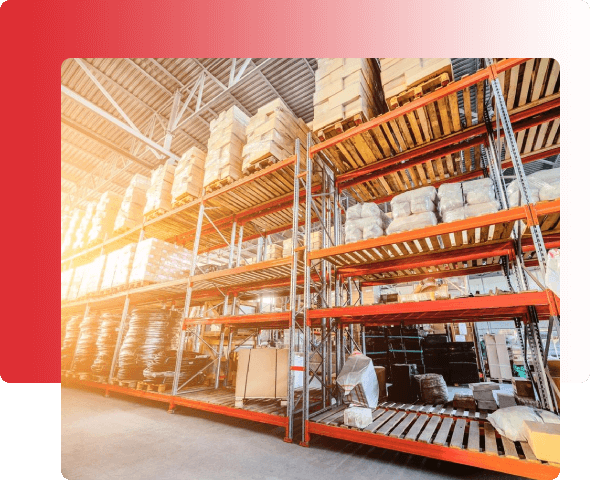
{"x": 358, "y": 381}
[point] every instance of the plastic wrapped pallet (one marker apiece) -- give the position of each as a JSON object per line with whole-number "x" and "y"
{"x": 271, "y": 135}
{"x": 159, "y": 261}
{"x": 479, "y": 191}
{"x": 84, "y": 226}
{"x": 552, "y": 272}
{"x": 103, "y": 221}
{"x": 543, "y": 185}
{"x": 159, "y": 194}
{"x": 400, "y": 74}
{"x": 358, "y": 381}
{"x": 225, "y": 145}
{"x": 91, "y": 282}
{"x": 66, "y": 279}
{"x": 345, "y": 87}
{"x": 124, "y": 265}
{"x": 412, "y": 222}
{"x": 189, "y": 174}
{"x": 74, "y": 291}
{"x": 130, "y": 214}
{"x": 275, "y": 252}
{"x": 450, "y": 197}
{"x": 364, "y": 221}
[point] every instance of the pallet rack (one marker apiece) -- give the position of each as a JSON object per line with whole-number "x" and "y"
{"x": 424, "y": 142}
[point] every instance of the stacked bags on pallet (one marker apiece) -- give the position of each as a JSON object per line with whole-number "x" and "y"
{"x": 413, "y": 209}
{"x": 458, "y": 201}
{"x": 103, "y": 221}
{"x": 345, "y": 87}
{"x": 159, "y": 194}
{"x": 189, "y": 174}
{"x": 130, "y": 214}
{"x": 364, "y": 221}
{"x": 70, "y": 233}
{"x": 271, "y": 135}
{"x": 543, "y": 185}
{"x": 84, "y": 226}
{"x": 159, "y": 261}
{"x": 224, "y": 148}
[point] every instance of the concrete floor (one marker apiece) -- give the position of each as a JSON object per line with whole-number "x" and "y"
{"x": 130, "y": 438}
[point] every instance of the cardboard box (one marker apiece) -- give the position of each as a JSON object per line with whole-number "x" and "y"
{"x": 506, "y": 400}
{"x": 487, "y": 405}
{"x": 263, "y": 373}
{"x": 464, "y": 401}
{"x": 523, "y": 387}
{"x": 358, "y": 417}
{"x": 159, "y": 194}
{"x": 498, "y": 357}
{"x": 189, "y": 174}
{"x": 543, "y": 439}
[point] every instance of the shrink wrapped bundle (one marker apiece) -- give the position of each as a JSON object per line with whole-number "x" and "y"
{"x": 450, "y": 196}
{"x": 271, "y": 135}
{"x": 364, "y": 221}
{"x": 412, "y": 222}
{"x": 159, "y": 261}
{"x": 70, "y": 233}
{"x": 78, "y": 277}
{"x": 479, "y": 191}
{"x": 66, "y": 279}
{"x": 225, "y": 145}
{"x": 130, "y": 214}
{"x": 189, "y": 174}
{"x": 401, "y": 209}
{"x": 454, "y": 215}
{"x": 84, "y": 226}
{"x": 103, "y": 221}
{"x": 105, "y": 343}
{"x": 68, "y": 345}
{"x": 421, "y": 205}
{"x": 481, "y": 209}
{"x": 159, "y": 194}
{"x": 91, "y": 282}
{"x": 124, "y": 264}
{"x": 345, "y": 87}
{"x": 543, "y": 185}
{"x": 552, "y": 274}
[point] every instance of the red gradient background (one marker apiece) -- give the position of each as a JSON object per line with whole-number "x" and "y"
{"x": 37, "y": 36}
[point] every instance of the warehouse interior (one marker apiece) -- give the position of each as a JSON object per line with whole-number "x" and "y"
{"x": 333, "y": 265}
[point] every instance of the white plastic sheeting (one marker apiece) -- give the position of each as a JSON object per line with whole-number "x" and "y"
{"x": 509, "y": 422}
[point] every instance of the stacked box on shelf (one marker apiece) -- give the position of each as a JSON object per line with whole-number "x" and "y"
{"x": 159, "y": 194}
{"x": 287, "y": 247}
{"x": 401, "y": 74}
{"x": 345, "y": 88}
{"x": 118, "y": 267}
{"x": 91, "y": 282}
{"x": 275, "y": 251}
{"x": 188, "y": 175}
{"x": 130, "y": 214}
{"x": 66, "y": 280}
{"x": 271, "y": 134}
{"x": 225, "y": 145}
{"x": 70, "y": 233}
{"x": 84, "y": 226}
{"x": 103, "y": 221}
{"x": 159, "y": 261}
{"x": 78, "y": 277}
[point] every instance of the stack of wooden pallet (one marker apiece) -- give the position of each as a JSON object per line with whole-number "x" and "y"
{"x": 159, "y": 195}
{"x": 188, "y": 177}
{"x": 103, "y": 221}
{"x": 131, "y": 212}
{"x": 223, "y": 164}
{"x": 84, "y": 226}
{"x": 399, "y": 76}
{"x": 270, "y": 136}
{"x": 347, "y": 91}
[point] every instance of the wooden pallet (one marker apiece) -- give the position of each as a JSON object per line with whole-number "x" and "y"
{"x": 217, "y": 184}
{"x": 260, "y": 164}
{"x": 183, "y": 199}
{"x": 120, "y": 231}
{"x": 138, "y": 284}
{"x": 154, "y": 214}
{"x": 153, "y": 387}
{"x": 124, "y": 383}
{"x": 418, "y": 91}
{"x": 337, "y": 128}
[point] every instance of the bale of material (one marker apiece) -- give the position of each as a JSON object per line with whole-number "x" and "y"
{"x": 433, "y": 389}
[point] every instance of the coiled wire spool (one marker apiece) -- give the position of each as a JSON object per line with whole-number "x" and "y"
{"x": 106, "y": 342}
{"x": 68, "y": 345}
{"x": 160, "y": 369}
{"x": 86, "y": 349}
{"x": 150, "y": 331}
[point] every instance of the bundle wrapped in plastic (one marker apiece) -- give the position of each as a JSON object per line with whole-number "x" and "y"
{"x": 159, "y": 194}
{"x": 543, "y": 185}
{"x": 552, "y": 272}
{"x": 103, "y": 222}
{"x": 131, "y": 212}
{"x": 401, "y": 209}
{"x": 423, "y": 192}
{"x": 66, "y": 279}
{"x": 79, "y": 273}
{"x": 450, "y": 197}
{"x": 225, "y": 145}
{"x": 189, "y": 174}
{"x": 125, "y": 258}
{"x": 454, "y": 215}
{"x": 70, "y": 233}
{"x": 364, "y": 221}
{"x": 159, "y": 261}
{"x": 479, "y": 191}
{"x": 93, "y": 277}
{"x": 412, "y": 222}
{"x": 84, "y": 226}
{"x": 481, "y": 209}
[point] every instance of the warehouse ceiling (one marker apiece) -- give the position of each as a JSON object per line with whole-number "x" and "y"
{"x": 116, "y": 113}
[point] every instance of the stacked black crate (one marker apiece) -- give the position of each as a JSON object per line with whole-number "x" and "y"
{"x": 435, "y": 355}
{"x": 376, "y": 347}
{"x": 406, "y": 346}
{"x": 455, "y": 361}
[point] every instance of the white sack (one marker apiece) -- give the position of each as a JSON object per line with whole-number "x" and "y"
{"x": 509, "y": 422}
{"x": 481, "y": 209}
{"x": 422, "y": 204}
{"x": 358, "y": 381}
{"x": 401, "y": 210}
{"x": 412, "y": 222}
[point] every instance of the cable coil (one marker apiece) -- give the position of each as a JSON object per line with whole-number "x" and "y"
{"x": 105, "y": 343}
{"x": 160, "y": 368}
{"x": 68, "y": 345}
{"x": 85, "y": 352}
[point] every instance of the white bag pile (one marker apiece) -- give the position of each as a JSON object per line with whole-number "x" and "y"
{"x": 225, "y": 145}
{"x": 272, "y": 133}
{"x": 413, "y": 209}
{"x": 131, "y": 212}
{"x": 159, "y": 194}
{"x": 70, "y": 233}
{"x": 189, "y": 174}
{"x": 103, "y": 221}
{"x": 345, "y": 87}
{"x": 450, "y": 196}
{"x": 159, "y": 261}
{"x": 364, "y": 221}
{"x": 84, "y": 226}
{"x": 458, "y": 201}
{"x": 543, "y": 185}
